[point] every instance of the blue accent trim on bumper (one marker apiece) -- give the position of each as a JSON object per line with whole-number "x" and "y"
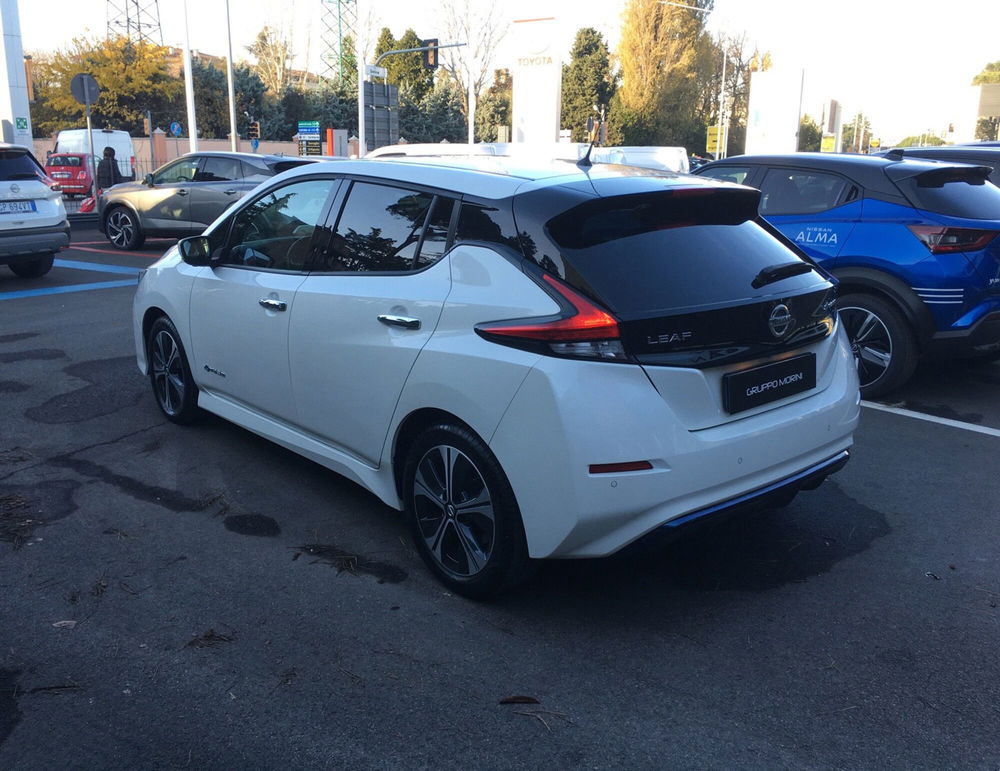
{"x": 836, "y": 461}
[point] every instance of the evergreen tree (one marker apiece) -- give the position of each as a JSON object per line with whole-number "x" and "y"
{"x": 587, "y": 81}
{"x": 494, "y": 109}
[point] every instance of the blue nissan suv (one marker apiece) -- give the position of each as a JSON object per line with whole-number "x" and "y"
{"x": 914, "y": 245}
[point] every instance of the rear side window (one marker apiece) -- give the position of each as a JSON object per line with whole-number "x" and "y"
{"x": 255, "y": 173}
{"x": 379, "y": 229}
{"x": 63, "y": 160}
{"x": 17, "y": 164}
{"x": 786, "y": 191}
{"x": 481, "y": 223}
{"x": 220, "y": 170}
{"x": 653, "y": 253}
{"x": 973, "y": 199}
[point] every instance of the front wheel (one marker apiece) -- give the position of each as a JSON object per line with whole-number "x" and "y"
{"x": 463, "y": 515}
{"x": 35, "y": 268}
{"x": 122, "y": 229}
{"x": 883, "y": 344}
{"x": 169, "y": 374}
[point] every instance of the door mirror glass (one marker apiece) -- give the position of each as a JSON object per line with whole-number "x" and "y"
{"x": 196, "y": 250}
{"x": 149, "y": 180}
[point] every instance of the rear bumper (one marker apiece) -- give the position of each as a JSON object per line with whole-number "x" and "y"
{"x": 29, "y": 243}
{"x": 981, "y": 337}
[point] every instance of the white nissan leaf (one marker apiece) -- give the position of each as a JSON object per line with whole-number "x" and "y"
{"x": 546, "y": 361}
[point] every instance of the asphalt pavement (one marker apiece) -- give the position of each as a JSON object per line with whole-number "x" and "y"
{"x": 197, "y": 597}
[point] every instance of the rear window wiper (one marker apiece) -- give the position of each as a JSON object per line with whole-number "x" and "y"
{"x": 773, "y": 273}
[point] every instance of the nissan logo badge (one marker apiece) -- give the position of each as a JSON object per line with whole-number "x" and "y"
{"x": 15, "y": 189}
{"x": 780, "y": 320}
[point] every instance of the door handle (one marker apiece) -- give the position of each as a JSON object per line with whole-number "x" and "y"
{"x": 400, "y": 321}
{"x": 230, "y": 192}
{"x": 182, "y": 191}
{"x": 272, "y": 305}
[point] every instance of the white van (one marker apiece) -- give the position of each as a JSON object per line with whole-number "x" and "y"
{"x": 75, "y": 141}
{"x": 648, "y": 157}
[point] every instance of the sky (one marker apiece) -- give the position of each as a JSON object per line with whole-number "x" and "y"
{"x": 907, "y": 68}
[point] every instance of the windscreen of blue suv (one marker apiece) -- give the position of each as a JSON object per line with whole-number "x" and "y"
{"x": 913, "y": 244}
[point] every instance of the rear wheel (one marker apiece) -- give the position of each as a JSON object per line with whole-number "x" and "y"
{"x": 169, "y": 374}
{"x": 463, "y": 515}
{"x": 35, "y": 268}
{"x": 883, "y": 344}
{"x": 122, "y": 229}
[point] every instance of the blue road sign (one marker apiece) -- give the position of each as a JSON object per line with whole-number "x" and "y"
{"x": 255, "y": 143}
{"x": 176, "y": 129}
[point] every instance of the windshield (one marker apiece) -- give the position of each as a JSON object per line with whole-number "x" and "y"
{"x": 18, "y": 164}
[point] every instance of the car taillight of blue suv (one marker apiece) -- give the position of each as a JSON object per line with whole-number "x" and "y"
{"x": 914, "y": 245}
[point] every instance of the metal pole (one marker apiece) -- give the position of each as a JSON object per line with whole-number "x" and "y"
{"x": 233, "y": 136}
{"x": 362, "y": 139}
{"x": 798, "y": 124}
{"x": 472, "y": 112}
{"x": 189, "y": 87}
{"x": 722, "y": 93}
{"x": 90, "y": 141}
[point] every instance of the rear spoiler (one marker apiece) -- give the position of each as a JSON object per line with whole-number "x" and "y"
{"x": 933, "y": 174}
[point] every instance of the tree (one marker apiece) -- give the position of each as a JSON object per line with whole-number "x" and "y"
{"x": 481, "y": 27}
{"x": 587, "y": 82}
{"x": 133, "y": 78}
{"x": 920, "y": 140}
{"x": 847, "y": 135}
{"x": 662, "y": 49}
{"x": 810, "y": 135}
{"x": 495, "y": 108}
{"x": 273, "y": 53}
{"x": 988, "y": 129}
{"x": 990, "y": 74}
{"x": 335, "y": 105}
{"x": 437, "y": 117}
{"x": 405, "y": 70}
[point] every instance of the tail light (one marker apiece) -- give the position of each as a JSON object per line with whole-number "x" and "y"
{"x": 81, "y": 175}
{"x": 582, "y": 331}
{"x": 943, "y": 240}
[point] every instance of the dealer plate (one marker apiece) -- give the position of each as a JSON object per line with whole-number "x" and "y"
{"x": 768, "y": 383}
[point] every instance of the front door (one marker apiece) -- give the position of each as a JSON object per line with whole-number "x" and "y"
{"x": 166, "y": 205}
{"x": 218, "y": 184}
{"x": 240, "y": 309}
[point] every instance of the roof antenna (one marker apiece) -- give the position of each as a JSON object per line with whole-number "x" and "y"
{"x": 585, "y": 162}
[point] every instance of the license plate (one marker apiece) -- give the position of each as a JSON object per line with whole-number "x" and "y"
{"x": 60, "y": 175}
{"x": 16, "y": 207}
{"x": 768, "y": 383}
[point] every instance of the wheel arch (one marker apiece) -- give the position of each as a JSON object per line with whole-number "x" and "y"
{"x": 409, "y": 429}
{"x": 892, "y": 289}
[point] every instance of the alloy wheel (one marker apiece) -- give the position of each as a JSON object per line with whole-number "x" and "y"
{"x": 454, "y": 511}
{"x": 870, "y": 341}
{"x": 121, "y": 228}
{"x": 168, "y": 373}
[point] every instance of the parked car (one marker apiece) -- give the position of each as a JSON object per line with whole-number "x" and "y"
{"x": 978, "y": 155}
{"x": 182, "y": 197}
{"x": 72, "y": 172}
{"x": 913, "y": 243}
{"x": 33, "y": 224}
{"x": 78, "y": 141}
{"x": 531, "y": 361}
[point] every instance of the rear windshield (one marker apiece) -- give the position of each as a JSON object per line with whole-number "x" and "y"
{"x": 17, "y": 164}
{"x": 640, "y": 255}
{"x": 63, "y": 160}
{"x": 973, "y": 199}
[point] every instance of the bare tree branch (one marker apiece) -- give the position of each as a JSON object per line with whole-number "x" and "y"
{"x": 481, "y": 27}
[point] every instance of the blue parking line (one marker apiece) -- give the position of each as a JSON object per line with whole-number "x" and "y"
{"x": 98, "y": 267}
{"x": 65, "y": 289}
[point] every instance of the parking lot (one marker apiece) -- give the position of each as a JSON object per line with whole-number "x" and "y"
{"x": 201, "y": 598}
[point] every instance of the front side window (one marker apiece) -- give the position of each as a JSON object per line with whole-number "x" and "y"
{"x": 220, "y": 170}
{"x": 379, "y": 229}
{"x": 275, "y": 232}
{"x": 786, "y": 191}
{"x": 736, "y": 174}
{"x": 182, "y": 170}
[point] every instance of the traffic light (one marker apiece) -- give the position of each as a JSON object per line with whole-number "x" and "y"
{"x": 145, "y": 126}
{"x": 254, "y": 132}
{"x": 431, "y": 56}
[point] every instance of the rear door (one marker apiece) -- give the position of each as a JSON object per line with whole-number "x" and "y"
{"x": 218, "y": 182}
{"x": 369, "y": 305}
{"x": 817, "y": 210}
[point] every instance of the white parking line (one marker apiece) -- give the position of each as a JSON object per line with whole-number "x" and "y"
{"x": 933, "y": 419}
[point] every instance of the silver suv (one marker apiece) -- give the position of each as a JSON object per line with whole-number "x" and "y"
{"x": 33, "y": 225}
{"x": 183, "y": 197}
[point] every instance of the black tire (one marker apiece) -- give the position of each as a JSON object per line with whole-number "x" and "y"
{"x": 475, "y": 547}
{"x": 33, "y": 269}
{"x": 169, "y": 374}
{"x": 883, "y": 344}
{"x": 121, "y": 226}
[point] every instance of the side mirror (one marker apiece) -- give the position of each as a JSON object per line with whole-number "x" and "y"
{"x": 149, "y": 180}
{"x": 196, "y": 251}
